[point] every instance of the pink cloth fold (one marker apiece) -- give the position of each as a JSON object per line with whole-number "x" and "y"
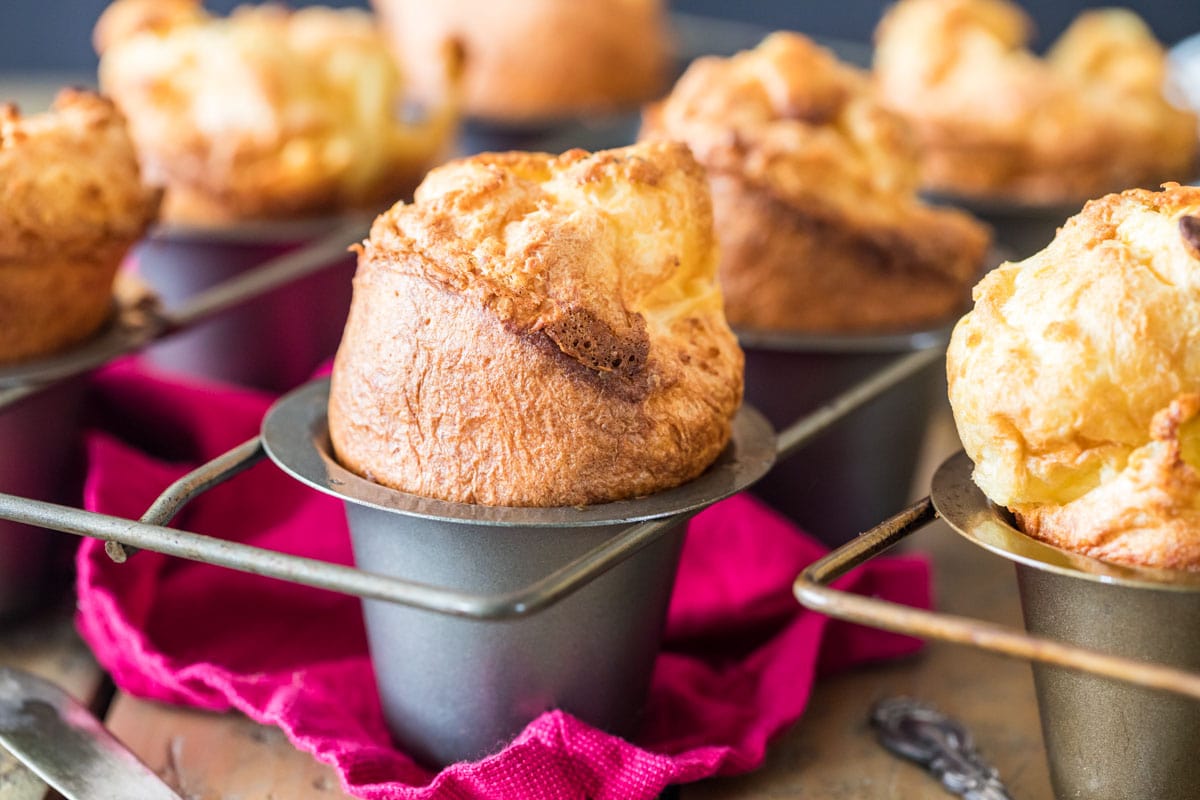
{"x": 738, "y": 664}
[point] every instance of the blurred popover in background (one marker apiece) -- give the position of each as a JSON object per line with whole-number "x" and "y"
{"x": 536, "y": 61}
{"x": 267, "y": 113}
{"x": 814, "y": 195}
{"x": 997, "y": 121}
{"x": 72, "y": 202}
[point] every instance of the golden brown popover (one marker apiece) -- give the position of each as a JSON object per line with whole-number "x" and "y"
{"x": 72, "y": 202}
{"x": 1075, "y": 382}
{"x": 814, "y": 195}
{"x": 997, "y": 121}
{"x": 538, "y": 330}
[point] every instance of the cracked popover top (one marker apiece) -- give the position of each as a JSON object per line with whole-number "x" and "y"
{"x": 266, "y": 113}
{"x": 996, "y": 120}
{"x": 1075, "y": 382}
{"x": 538, "y": 330}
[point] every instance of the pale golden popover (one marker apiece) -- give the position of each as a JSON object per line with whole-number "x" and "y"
{"x": 535, "y": 61}
{"x": 1075, "y": 382}
{"x": 267, "y": 113}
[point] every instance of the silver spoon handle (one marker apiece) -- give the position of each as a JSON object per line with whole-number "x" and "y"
{"x": 921, "y": 733}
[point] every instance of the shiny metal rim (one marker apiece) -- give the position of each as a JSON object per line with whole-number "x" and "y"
{"x": 295, "y": 436}
{"x": 250, "y": 232}
{"x": 822, "y": 344}
{"x": 1021, "y": 209}
{"x": 128, "y": 329}
{"x": 968, "y": 511}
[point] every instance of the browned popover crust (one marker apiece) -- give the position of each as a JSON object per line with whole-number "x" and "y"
{"x": 814, "y": 195}
{"x": 1075, "y": 382}
{"x": 536, "y": 60}
{"x": 71, "y": 204}
{"x": 997, "y": 121}
{"x": 266, "y": 113}
{"x": 539, "y": 331}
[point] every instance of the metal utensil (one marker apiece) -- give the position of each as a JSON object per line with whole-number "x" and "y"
{"x": 942, "y": 745}
{"x": 67, "y": 747}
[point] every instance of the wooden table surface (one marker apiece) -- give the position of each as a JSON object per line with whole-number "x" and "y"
{"x": 830, "y": 753}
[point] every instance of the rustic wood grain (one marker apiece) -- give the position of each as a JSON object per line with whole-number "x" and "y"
{"x": 208, "y": 756}
{"x": 45, "y": 645}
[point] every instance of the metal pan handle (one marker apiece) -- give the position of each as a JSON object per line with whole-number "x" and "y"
{"x": 554, "y": 586}
{"x": 273, "y": 273}
{"x": 122, "y": 536}
{"x": 538, "y": 595}
{"x": 812, "y": 590}
{"x": 190, "y": 486}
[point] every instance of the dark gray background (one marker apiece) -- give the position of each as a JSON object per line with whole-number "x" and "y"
{"x": 55, "y": 34}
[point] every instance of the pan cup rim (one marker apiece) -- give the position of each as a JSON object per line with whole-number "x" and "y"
{"x": 968, "y": 511}
{"x": 127, "y": 328}
{"x": 295, "y": 436}
{"x": 846, "y": 343}
{"x": 282, "y": 231}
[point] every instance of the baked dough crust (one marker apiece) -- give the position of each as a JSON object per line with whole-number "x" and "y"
{"x": 539, "y": 331}
{"x": 997, "y": 121}
{"x": 1075, "y": 382}
{"x": 535, "y": 60}
{"x": 266, "y": 113}
{"x": 814, "y": 195}
{"x": 71, "y": 204}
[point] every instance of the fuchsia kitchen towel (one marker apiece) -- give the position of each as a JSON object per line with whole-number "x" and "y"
{"x": 737, "y": 667}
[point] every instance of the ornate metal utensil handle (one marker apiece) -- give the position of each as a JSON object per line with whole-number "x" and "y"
{"x": 923, "y": 734}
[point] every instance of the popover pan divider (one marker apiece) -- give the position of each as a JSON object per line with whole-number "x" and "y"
{"x": 42, "y": 400}
{"x": 324, "y": 575}
{"x": 136, "y": 327}
{"x": 812, "y": 589}
{"x": 122, "y": 535}
{"x": 272, "y": 274}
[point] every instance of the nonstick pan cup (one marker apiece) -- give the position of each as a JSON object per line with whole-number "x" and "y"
{"x": 1105, "y": 740}
{"x": 860, "y": 470}
{"x": 273, "y": 342}
{"x": 1108, "y": 740}
{"x": 41, "y": 451}
{"x": 40, "y": 458}
{"x": 454, "y": 688}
